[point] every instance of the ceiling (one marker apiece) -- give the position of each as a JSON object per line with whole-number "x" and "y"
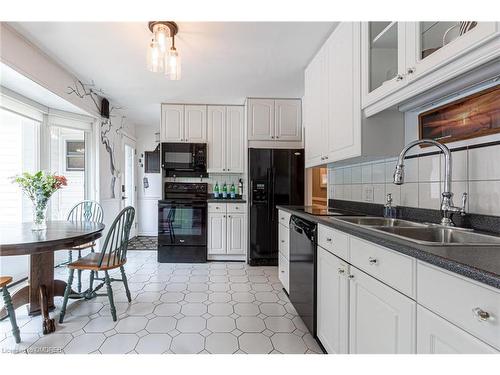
{"x": 222, "y": 62}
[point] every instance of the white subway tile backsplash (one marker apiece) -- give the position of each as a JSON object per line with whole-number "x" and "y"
{"x": 475, "y": 171}
{"x": 429, "y": 168}
{"x": 429, "y": 195}
{"x": 366, "y": 173}
{"x": 411, "y": 170}
{"x": 379, "y": 193}
{"x": 347, "y": 175}
{"x": 409, "y": 194}
{"x": 356, "y": 174}
{"x": 356, "y": 192}
{"x": 484, "y": 163}
{"x": 484, "y": 197}
{"x": 378, "y": 173}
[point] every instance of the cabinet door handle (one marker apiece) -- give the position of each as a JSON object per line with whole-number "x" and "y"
{"x": 341, "y": 271}
{"x": 228, "y": 215}
{"x": 372, "y": 261}
{"x": 277, "y": 137}
{"x": 410, "y": 70}
{"x": 399, "y": 77}
{"x": 282, "y": 241}
{"x": 481, "y": 315}
{"x": 351, "y": 277}
{"x": 328, "y": 239}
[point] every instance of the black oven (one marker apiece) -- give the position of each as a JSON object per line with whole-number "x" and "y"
{"x": 184, "y": 159}
{"x": 182, "y": 223}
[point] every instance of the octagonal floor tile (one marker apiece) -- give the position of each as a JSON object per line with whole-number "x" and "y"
{"x": 220, "y": 309}
{"x": 153, "y": 344}
{"x": 119, "y": 344}
{"x": 131, "y": 324}
{"x": 191, "y": 324}
{"x": 187, "y": 343}
{"x": 289, "y": 343}
{"x": 172, "y": 297}
{"x": 246, "y": 309}
{"x": 279, "y": 324}
{"x": 194, "y": 309}
{"x": 250, "y": 324}
{"x": 221, "y": 343}
{"x": 272, "y": 309}
{"x": 254, "y": 343}
{"x": 221, "y": 324}
{"x": 161, "y": 324}
{"x": 85, "y": 344}
{"x": 167, "y": 309}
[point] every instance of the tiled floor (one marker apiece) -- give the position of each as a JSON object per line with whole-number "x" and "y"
{"x": 143, "y": 243}
{"x": 176, "y": 308}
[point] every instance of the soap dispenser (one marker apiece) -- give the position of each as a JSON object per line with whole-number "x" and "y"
{"x": 389, "y": 209}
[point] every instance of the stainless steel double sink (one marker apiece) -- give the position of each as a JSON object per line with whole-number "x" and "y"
{"x": 423, "y": 233}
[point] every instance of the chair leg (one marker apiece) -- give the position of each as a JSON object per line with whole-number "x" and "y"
{"x": 92, "y": 250}
{"x": 67, "y": 291}
{"x": 79, "y": 284}
{"x": 110, "y": 295}
{"x": 91, "y": 284}
{"x": 12, "y": 315}
{"x": 125, "y": 283}
{"x": 70, "y": 256}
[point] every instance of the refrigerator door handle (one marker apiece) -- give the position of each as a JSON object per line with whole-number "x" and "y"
{"x": 273, "y": 174}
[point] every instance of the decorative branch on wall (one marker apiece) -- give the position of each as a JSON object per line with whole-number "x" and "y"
{"x": 83, "y": 90}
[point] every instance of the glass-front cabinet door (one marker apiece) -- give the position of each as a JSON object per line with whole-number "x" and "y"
{"x": 431, "y": 44}
{"x": 383, "y": 58}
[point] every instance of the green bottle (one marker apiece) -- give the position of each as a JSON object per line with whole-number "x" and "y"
{"x": 216, "y": 190}
{"x": 232, "y": 191}
{"x": 224, "y": 191}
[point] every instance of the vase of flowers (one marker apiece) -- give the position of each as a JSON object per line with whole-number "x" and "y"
{"x": 39, "y": 187}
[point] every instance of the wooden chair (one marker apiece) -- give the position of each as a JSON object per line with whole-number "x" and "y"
{"x": 113, "y": 255}
{"x": 84, "y": 211}
{"x": 4, "y": 281}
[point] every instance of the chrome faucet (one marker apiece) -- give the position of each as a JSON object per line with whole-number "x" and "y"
{"x": 447, "y": 207}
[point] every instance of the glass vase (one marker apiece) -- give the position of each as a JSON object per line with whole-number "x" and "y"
{"x": 39, "y": 215}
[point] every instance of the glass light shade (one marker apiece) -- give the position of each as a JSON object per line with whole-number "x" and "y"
{"x": 173, "y": 64}
{"x": 162, "y": 36}
{"x": 155, "y": 58}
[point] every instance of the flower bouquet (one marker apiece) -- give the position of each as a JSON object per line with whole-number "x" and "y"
{"x": 39, "y": 187}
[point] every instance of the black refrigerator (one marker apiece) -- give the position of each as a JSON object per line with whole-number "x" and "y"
{"x": 276, "y": 177}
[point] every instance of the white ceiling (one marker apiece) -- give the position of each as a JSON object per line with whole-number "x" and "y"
{"x": 222, "y": 62}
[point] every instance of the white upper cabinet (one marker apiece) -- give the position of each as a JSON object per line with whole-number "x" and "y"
{"x": 288, "y": 120}
{"x": 216, "y": 138}
{"x": 404, "y": 59}
{"x": 332, "y": 98}
{"x": 274, "y": 120}
{"x": 226, "y": 142}
{"x": 195, "y": 123}
{"x": 235, "y": 139}
{"x": 260, "y": 119}
{"x": 172, "y": 123}
{"x": 183, "y": 123}
{"x": 383, "y": 56}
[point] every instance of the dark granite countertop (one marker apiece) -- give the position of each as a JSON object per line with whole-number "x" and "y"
{"x": 481, "y": 263}
{"x": 227, "y": 200}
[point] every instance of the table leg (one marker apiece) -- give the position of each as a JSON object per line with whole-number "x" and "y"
{"x": 41, "y": 274}
{"x": 49, "y": 324}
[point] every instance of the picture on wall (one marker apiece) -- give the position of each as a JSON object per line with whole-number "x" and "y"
{"x": 470, "y": 117}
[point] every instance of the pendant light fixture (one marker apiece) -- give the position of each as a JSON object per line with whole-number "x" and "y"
{"x": 162, "y": 54}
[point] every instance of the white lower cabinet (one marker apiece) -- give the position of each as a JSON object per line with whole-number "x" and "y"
{"x": 436, "y": 335}
{"x": 226, "y": 229}
{"x": 284, "y": 249}
{"x": 332, "y": 302}
{"x": 382, "y": 320}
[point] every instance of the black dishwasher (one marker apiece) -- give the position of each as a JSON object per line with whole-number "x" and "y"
{"x": 303, "y": 270}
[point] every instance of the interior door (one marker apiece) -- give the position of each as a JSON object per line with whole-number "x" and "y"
{"x": 128, "y": 189}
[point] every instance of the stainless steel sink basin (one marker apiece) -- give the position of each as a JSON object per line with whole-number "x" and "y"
{"x": 381, "y": 222}
{"x": 434, "y": 236}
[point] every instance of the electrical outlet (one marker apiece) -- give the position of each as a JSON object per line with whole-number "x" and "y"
{"x": 368, "y": 193}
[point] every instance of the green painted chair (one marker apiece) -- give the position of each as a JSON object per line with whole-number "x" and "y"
{"x": 113, "y": 255}
{"x": 84, "y": 211}
{"x": 4, "y": 281}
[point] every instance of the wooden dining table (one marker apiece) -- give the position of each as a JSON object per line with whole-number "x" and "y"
{"x": 18, "y": 239}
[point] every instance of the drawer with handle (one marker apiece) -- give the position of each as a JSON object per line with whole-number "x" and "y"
{"x": 472, "y": 306}
{"x": 284, "y": 218}
{"x": 334, "y": 241}
{"x": 236, "y": 208}
{"x": 284, "y": 241}
{"x": 395, "y": 269}
{"x": 217, "y": 207}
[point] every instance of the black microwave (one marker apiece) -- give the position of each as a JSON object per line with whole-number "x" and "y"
{"x": 184, "y": 159}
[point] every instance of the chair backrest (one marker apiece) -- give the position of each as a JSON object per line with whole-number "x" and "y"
{"x": 115, "y": 245}
{"x": 86, "y": 211}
